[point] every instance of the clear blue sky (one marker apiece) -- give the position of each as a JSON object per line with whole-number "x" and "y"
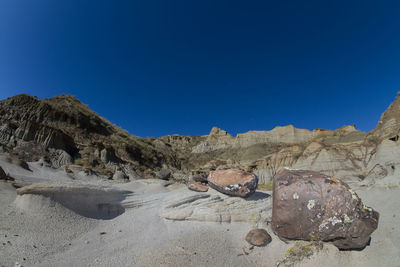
{"x": 164, "y": 67}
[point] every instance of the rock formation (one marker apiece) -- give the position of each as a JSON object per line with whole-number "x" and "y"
{"x": 214, "y": 206}
{"x": 65, "y": 132}
{"x": 198, "y": 187}
{"x": 233, "y": 182}
{"x": 308, "y": 205}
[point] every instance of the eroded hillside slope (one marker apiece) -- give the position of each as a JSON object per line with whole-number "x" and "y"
{"x": 65, "y": 133}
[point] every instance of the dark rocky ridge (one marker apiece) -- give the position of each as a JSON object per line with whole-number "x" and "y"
{"x": 64, "y": 131}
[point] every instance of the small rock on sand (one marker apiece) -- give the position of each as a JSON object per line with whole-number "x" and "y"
{"x": 198, "y": 187}
{"x": 258, "y": 237}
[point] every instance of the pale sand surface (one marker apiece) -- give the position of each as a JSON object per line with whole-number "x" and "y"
{"x": 36, "y": 231}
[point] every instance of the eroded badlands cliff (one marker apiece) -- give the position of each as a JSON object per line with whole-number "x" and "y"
{"x": 64, "y": 133}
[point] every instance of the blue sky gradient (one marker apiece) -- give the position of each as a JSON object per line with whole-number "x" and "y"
{"x": 159, "y": 67}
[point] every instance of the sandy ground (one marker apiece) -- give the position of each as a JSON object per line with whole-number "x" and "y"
{"x": 36, "y": 231}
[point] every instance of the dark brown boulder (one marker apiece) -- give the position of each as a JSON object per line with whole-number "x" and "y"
{"x": 198, "y": 187}
{"x": 233, "y": 182}
{"x": 258, "y": 237}
{"x": 309, "y": 205}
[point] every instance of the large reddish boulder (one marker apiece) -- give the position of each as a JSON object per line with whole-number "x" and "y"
{"x": 233, "y": 182}
{"x": 309, "y": 205}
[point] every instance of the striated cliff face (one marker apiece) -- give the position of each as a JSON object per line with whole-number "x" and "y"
{"x": 385, "y": 161}
{"x": 343, "y": 152}
{"x": 66, "y": 133}
{"x": 287, "y": 135}
{"x": 63, "y": 131}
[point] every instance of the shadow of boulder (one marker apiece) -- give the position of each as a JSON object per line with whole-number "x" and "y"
{"x": 258, "y": 195}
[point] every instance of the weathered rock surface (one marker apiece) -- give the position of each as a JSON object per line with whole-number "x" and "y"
{"x": 233, "y": 182}
{"x": 198, "y": 187}
{"x": 217, "y": 207}
{"x": 258, "y": 237}
{"x": 308, "y": 205}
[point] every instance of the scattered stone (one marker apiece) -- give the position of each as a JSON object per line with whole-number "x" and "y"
{"x": 308, "y": 205}
{"x": 258, "y": 237}
{"x": 198, "y": 187}
{"x": 233, "y": 182}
